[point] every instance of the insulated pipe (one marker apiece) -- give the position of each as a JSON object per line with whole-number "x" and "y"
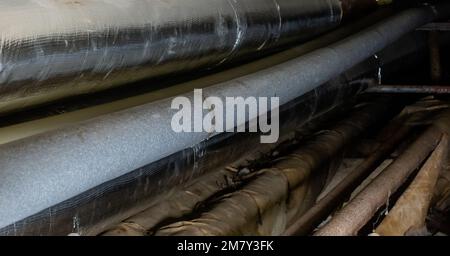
{"x": 41, "y": 125}
{"x": 362, "y": 208}
{"x": 323, "y": 208}
{"x": 112, "y": 201}
{"x": 239, "y": 212}
{"x": 46, "y": 169}
{"x": 105, "y": 205}
{"x": 95, "y": 210}
{"x": 55, "y": 49}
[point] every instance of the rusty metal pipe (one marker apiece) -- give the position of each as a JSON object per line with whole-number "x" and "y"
{"x": 436, "y": 26}
{"x": 404, "y": 89}
{"x": 361, "y": 209}
{"x": 435, "y": 57}
{"x": 410, "y": 212}
{"x": 312, "y": 218}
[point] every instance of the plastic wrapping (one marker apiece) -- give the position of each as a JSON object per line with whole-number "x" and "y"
{"x": 95, "y": 210}
{"x": 116, "y": 144}
{"x": 294, "y": 181}
{"x": 53, "y": 49}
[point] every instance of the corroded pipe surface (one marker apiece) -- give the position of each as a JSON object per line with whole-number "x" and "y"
{"x": 316, "y": 214}
{"x": 410, "y": 211}
{"x": 405, "y": 89}
{"x": 359, "y": 210}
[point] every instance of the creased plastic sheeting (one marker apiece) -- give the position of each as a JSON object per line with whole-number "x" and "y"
{"x": 267, "y": 204}
{"x": 66, "y": 162}
{"x": 52, "y": 49}
{"x": 95, "y": 210}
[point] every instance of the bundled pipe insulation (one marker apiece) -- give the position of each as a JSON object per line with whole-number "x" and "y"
{"x": 117, "y": 199}
{"x": 244, "y": 212}
{"x": 54, "y": 49}
{"x": 46, "y": 169}
{"x": 109, "y": 203}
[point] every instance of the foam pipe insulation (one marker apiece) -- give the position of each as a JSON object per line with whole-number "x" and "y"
{"x": 102, "y": 207}
{"x": 25, "y": 129}
{"x": 46, "y": 169}
{"x": 95, "y": 210}
{"x": 55, "y": 49}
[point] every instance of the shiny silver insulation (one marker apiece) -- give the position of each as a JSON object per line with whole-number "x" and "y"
{"x": 46, "y": 169}
{"x": 51, "y": 49}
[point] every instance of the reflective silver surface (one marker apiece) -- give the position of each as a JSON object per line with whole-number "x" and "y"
{"x": 41, "y": 171}
{"x": 50, "y": 49}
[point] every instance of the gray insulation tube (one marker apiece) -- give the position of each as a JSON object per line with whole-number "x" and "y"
{"x": 54, "y": 49}
{"x": 46, "y": 169}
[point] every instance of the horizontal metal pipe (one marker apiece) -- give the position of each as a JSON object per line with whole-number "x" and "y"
{"x": 404, "y": 89}
{"x": 72, "y": 160}
{"x": 55, "y": 49}
{"x": 436, "y": 26}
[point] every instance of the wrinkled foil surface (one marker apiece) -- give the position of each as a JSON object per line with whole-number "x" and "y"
{"x": 51, "y": 49}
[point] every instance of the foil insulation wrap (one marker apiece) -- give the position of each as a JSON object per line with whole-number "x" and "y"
{"x": 93, "y": 211}
{"x": 52, "y": 49}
